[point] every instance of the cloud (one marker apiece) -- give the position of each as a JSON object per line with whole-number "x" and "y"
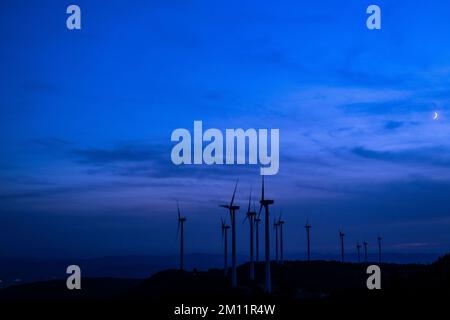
{"x": 398, "y": 106}
{"x": 414, "y": 245}
{"x": 426, "y": 156}
{"x": 126, "y": 153}
{"x": 390, "y": 125}
{"x": 152, "y": 161}
{"x": 52, "y": 143}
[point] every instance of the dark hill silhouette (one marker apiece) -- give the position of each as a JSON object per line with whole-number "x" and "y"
{"x": 293, "y": 280}
{"x": 316, "y": 286}
{"x": 30, "y": 270}
{"x": 92, "y": 289}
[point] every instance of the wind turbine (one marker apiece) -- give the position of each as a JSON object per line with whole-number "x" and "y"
{"x": 308, "y": 242}
{"x": 257, "y": 222}
{"x": 266, "y": 203}
{"x": 225, "y": 228}
{"x": 341, "y": 236}
{"x": 232, "y": 209}
{"x": 358, "y": 249}
{"x": 180, "y": 231}
{"x": 275, "y": 228}
{"x": 379, "y": 248}
{"x": 280, "y": 225}
{"x": 365, "y": 250}
{"x": 250, "y": 216}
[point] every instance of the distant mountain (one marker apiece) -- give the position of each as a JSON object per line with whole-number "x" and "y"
{"x": 92, "y": 289}
{"x": 25, "y": 270}
{"x": 390, "y": 257}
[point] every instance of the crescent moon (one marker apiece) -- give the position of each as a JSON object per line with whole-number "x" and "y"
{"x": 436, "y": 116}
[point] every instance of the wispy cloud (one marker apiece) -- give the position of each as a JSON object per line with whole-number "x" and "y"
{"x": 413, "y": 245}
{"x": 427, "y": 156}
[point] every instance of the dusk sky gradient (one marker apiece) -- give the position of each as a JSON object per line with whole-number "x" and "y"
{"x": 86, "y": 118}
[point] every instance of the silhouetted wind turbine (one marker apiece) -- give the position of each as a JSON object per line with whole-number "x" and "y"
{"x": 280, "y": 225}
{"x": 379, "y": 249}
{"x": 308, "y": 243}
{"x": 232, "y": 209}
{"x": 365, "y": 250}
{"x": 250, "y": 216}
{"x": 180, "y": 231}
{"x": 358, "y": 249}
{"x": 225, "y": 228}
{"x": 341, "y": 236}
{"x": 257, "y": 222}
{"x": 275, "y": 228}
{"x": 266, "y": 203}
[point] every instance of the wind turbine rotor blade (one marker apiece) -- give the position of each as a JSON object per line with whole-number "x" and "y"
{"x": 262, "y": 191}
{"x": 249, "y": 200}
{"x": 178, "y": 229}
{"x": 178, "y": 209}
{"x": 234, "y": 193}
{"x": 260, "y": 209}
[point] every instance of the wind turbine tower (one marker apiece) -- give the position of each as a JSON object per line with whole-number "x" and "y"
{"x": 341, "y": 236}
{"x": 280, "y": 225}
{"x": 180, "y": 232}
{"x": 379, "y": 249}
{"x": 232, "y": 209}
{"x": 275, "y": 228}
{"x": 266, "y": 203}
{"x": 225, "y": 228}
{"x": 257, "y": 222}
{"x": 365, "y": 250}
{"x": 358, "y": 249}
{"x": 251, "y": 215}
{"x": 308, "y": 242}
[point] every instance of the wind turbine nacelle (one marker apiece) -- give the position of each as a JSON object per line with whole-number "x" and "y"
{"x": 266, "y": 202}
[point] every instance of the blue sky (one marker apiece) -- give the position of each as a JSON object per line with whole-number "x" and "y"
{"x": 86, "y": 118}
